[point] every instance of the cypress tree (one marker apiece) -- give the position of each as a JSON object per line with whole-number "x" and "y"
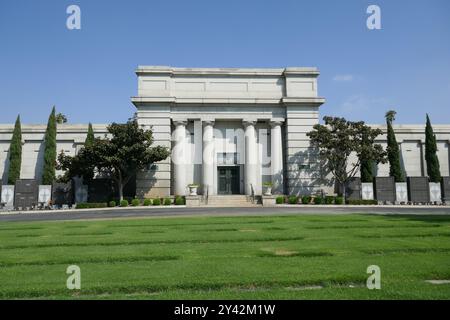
{"x": 430, "y": 153}
{"x": 48, "y": 174}
{"x": 393, "y": 150}
{"x": 90, "y": 136}
{"x": 15, "y": 153}
{"x": 366, "y": 170}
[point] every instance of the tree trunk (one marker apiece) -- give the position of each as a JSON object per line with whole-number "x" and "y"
{"x": 344, "y": 193}
{"x": 120, "y": 191}
{"x": 120, "y": 185}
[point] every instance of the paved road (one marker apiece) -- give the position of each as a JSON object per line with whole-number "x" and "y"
{"x": 208, "y": 211}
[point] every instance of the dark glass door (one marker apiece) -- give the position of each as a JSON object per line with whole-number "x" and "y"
{"x": 228, "y": 179}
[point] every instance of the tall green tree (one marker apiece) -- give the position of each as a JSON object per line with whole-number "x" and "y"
{"x": 15, "y": 153}
{"x": 367, "y": 163}
{"x": 431, "y": 157}
{"x": 120, "y": 156}
{"x": 48, "y": 173}
{"x": 393, "y": 151}
{"x": 338, "y": 139}
{"x": 90, "y": 136}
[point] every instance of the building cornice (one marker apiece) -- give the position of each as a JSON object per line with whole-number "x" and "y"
{"x": 316, "y": 101}
{"x": 167, "y": 70}
{"x": 286, "y": 101}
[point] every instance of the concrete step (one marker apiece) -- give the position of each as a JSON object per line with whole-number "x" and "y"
{"x": 230, "y": 201}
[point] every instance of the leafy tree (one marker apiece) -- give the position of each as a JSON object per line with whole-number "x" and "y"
{"x": 338, "y": 139}
{"x": 90, "y": 136}
{"x": 430, "y": 153}
{"x": 61, "y": 118}
{"x": 120, "y": 156}
{"x": 15, "y": 153}
{"x": 393, "y": 151}
{"x": 48, "y": 173}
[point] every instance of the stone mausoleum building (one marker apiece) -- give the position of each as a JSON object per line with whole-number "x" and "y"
{"x": 230, "y": 130}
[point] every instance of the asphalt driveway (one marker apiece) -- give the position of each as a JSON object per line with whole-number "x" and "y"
{"x": 112, "y": 213}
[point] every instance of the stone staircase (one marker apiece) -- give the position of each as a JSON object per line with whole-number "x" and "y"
{"x": 235, "y": 200}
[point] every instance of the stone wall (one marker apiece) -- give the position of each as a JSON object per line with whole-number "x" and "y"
{"x": 69, "y": 139}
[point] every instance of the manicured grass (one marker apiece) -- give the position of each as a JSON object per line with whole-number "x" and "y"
{"x": 258, "y": 257}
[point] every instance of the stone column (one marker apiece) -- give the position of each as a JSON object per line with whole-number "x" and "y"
{"x": 276, "y": 167}
{"x": 251, "y": 156}
{"x": 208, "y": 157}
{"x": 179, "y": 157}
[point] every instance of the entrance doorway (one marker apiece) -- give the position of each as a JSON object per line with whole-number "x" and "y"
{"x": 228, "y": 180}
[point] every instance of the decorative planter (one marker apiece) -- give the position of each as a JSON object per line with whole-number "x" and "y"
{"x": 267, "y": 190}
{"x": 193, "y": 190}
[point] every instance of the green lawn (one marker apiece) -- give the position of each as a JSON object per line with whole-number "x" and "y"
{"x": 267, "y": 257}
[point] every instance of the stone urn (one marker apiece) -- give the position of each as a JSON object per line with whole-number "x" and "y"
{"x": 267, "y": 189}
{"x": 193, "y": 189}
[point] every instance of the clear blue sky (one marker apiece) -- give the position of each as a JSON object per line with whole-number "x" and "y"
{"x": 89, "y": 73}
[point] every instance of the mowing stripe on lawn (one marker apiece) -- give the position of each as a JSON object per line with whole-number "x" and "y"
{"x": 185, "y": 224}
{"x": 128, "y": 243}
{"x": 404, "y": 250}
{"x": 198, "y": 287}
{"x": 377, "y": 236}
{"x": 371, "y": 226}
{"x": 90, "y": 260}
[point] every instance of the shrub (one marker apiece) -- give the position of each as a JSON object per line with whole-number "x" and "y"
{"x": 279, "y": 200}
{"x": 124, "y": 203}
{"x": 329, "y": 199}
{"x": 179, "y": 201}
{"x": 147, "y": 202}
{"x": 339, "y": 200}
{"x": 318, "y": 200}
{"x": 112, "y": 204}
{"x": 362, "y": 202}
{"x": 306, "y": 199}
{"x": 91, "y": 205}
{"x": 293, "y": 200}
{"x": 157, "y": 202}
{"x": 135, "y": 202}
{"x": 167, "y": 202}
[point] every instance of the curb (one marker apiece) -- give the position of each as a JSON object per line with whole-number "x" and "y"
{"x": 68, "y": 211}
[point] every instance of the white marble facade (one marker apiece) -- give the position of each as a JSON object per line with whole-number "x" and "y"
{"x": 240, "y": 126}
{"x": 250, "y": 122}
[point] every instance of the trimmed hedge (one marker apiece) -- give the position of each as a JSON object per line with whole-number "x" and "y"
{"x": 292, "y": 200}
{"x": 179, "y": 201}
{"x": 306, "y": 199}
{"x": 86, "y": 205}
{"x": 124, "y": 203}
{"x": 329, "y": 200}
{"x": 318, "y": 200}
{"x": 339, "y": 200}
{"x": 147, "y": 202}
{"x": 362, "y": 202}
{"x": 112, "y": 204}
{"x": 135, "y": 202}
{"x": 279, "y": 200}
{"x": 157, "y": 202}
{"x": 167, "y": 202}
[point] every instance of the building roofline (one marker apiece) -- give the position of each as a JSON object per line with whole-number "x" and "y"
{"x": 227, "y": 71}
